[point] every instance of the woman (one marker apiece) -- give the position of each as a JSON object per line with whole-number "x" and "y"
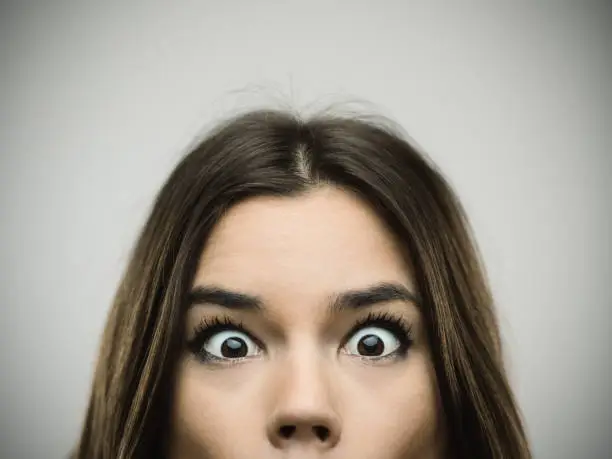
{"x": 303, "y": 288}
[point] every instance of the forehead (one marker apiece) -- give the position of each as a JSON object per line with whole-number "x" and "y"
{"x": 305, "y": 247}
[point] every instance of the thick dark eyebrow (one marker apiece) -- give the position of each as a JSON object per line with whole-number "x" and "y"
{"x": 349, "y": 300}
{"x": 224, "y": 298}
{"x": 370, "y": 296}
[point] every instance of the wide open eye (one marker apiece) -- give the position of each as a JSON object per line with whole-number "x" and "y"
{"x": 230, "y": 344}
{"x": 373, "y": 342}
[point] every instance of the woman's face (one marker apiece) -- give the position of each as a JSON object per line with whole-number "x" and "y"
{"x": 303, "y": 340}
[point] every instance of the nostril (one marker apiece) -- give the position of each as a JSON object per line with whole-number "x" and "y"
{"x": 287, "y": 431}
{"x": 321, "y": 432}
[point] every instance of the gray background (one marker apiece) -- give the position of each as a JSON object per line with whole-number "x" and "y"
{"x": 513, "y": 100}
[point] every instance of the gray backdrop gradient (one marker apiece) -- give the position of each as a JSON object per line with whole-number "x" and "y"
{"x": 513, "y": 100}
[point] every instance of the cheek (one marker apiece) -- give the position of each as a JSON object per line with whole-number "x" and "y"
{"x": 212, "y": 416}
{"x": 398, "y": 419}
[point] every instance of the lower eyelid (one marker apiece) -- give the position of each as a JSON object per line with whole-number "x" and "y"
{"x": 210, "y": 359}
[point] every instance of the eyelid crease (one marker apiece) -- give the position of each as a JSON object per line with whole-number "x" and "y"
{"x": 210, "y": 326}
{"x": 392, "y": 322}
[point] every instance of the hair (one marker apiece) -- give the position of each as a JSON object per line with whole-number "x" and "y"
{"x": 278, "y": 153}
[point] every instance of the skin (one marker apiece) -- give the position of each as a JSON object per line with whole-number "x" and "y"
{"x": 296, "y": 254}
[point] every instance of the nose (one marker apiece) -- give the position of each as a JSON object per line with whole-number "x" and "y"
{"x": 304, "y": 414}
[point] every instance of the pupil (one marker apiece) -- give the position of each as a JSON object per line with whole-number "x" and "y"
{"x": 233, "y": 348}
{"x": 370, "y": 345}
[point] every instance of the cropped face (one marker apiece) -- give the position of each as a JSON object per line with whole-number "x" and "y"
{"x": 304, "y": 340}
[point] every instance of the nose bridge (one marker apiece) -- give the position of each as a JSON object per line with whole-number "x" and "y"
{"x": 303, "y": 407}
{"x": 305, "y": 379}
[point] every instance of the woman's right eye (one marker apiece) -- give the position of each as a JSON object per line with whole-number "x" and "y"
{"x": 229, "y": 345}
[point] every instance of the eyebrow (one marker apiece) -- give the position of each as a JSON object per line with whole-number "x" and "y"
{"x": 351, "y": 300}
{"x": 380, "y": 293}
{"x": 225, "y": 298}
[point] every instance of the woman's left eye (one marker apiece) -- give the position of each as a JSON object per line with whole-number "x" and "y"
{"x": 373, "y": 342}
{"x": 230, "y": 344}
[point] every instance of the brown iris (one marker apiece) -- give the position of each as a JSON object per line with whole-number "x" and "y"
{"x": 233, "y": 348}
{"x": 371, "y": 346}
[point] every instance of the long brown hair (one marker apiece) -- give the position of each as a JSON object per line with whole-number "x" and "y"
{"x": 278, "y": 153}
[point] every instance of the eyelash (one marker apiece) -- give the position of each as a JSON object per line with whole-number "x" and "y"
{"x": 209, "y": 327}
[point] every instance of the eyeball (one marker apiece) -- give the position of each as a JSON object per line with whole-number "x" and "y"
{"x": 230, "y": 344}
{"x": 372, "y": 342}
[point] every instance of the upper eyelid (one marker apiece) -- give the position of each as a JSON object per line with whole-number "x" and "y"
{"x": 371, "y": 319}
{"x": 380, "y": 319}
{"x": 224, "y": 325}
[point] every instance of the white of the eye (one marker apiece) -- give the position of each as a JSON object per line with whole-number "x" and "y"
{"x": 390, "y": 341}
{"x": 214, "y": 343}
